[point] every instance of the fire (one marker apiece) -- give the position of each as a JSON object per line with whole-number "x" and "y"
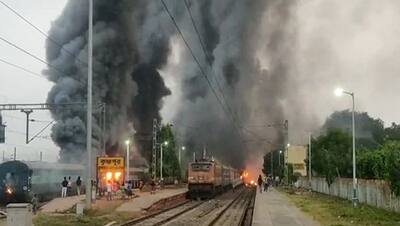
{"x": 109, "y": 176}
{"x": 9, "y": 191}
{"x": 117, "y": 175}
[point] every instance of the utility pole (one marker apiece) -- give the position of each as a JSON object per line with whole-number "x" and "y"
{"x": 27, "y": 112}
{"x": 309, "y": 161}
{"x": 161, "y": 162}
{"x": 286, "y": 128}
{"x": 194, "y": 156}
{"x": 41, "y": 156}
{"x": 89, "y": 111}
{"x": 104, "y": 130}
{"x": 15, "y": 153}
{"x": 272, "y": 163}
{"x": 154, "y": 150}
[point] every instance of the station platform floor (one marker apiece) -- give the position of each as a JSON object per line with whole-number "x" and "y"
{"x": 274, "y": 209}
{"x": 142, "y": 200}
{"x": 61, "y": 204}
{"x": 145, "y": 199}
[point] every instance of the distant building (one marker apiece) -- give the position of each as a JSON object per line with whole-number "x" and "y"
{"x": 297, "y": 156}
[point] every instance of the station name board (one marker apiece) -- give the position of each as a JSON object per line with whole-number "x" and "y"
{"x": 110, "y": 162}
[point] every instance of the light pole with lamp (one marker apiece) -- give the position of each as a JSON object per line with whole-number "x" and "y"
{"x": 161, "y": 159}
{"x": 340, "y": 92}
{"x": 180, "y": 154}
{"x": 127, "y": 142}
{"x": 286, "y": 164}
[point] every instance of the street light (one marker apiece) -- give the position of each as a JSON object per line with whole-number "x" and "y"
{"x": 165, "y": 143}
{"x": 127, "y": 142}
{"x": 340, "y": 92}
{"x": 180, "y": 150}
{"x": 286, "y": 164}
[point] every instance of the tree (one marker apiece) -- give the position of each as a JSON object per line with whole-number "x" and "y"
{"x": 391, "y": 150}
{"x": 332, "y": 156}
{"x": 370, "y": 132}
{"x": 171, "y": 167}
{"x": 277, "y": 167}
{"x": 392, "y": 132}
{"x": 370, "y": 164}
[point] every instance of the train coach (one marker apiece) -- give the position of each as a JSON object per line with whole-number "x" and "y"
{"x": 207, "y": 178}
{"x": 20, "y": 180}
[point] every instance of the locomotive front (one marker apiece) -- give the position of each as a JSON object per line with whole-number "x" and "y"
{"x": 14, "y": 182}
{"x": 203, "y": 179}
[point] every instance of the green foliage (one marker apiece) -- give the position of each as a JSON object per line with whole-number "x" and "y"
{"x": 392, "y": 132}
{"x": 391, "y": 150}
{"x": 370, "y": 164}
{"x": 277, "y": 166}
{"x": 370, "y": 132}
{"x": 171, "y": 166}
{"x": 331, "y": 155}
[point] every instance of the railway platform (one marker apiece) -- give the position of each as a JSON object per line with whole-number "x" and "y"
{"x": 147, "y": 200}
{"x": 61, "y": 204}
{"x": 273, "y": 209}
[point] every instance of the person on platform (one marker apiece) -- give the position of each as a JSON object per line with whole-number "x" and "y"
{"x": 260, "y": 183}
{"x": 64, "y": 185}
{"x": 34, "y": 202}
{"x": 266, "y": 185}
{"x": 153, "y": 187}
{"x": 109, "y": 190}
{"x": 78, "y": 185}
{"x": 69, "y": 187}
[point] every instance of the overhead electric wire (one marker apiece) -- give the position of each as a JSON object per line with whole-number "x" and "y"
{"x": 201, "y": 68}
{"x": 30, "y": 54}
{"x": 41, "y": 32}
{"x": 209, "y": 61}
{"x": 23, "y": 69}
{"x": 35, "y": 57}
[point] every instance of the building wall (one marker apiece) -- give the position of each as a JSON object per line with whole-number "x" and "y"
{"x": 296, "y": 157}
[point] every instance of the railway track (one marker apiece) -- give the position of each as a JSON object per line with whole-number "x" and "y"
{"x": 230, "y": 208}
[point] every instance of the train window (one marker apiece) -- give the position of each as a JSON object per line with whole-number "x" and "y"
{"x": 201, "y": 167}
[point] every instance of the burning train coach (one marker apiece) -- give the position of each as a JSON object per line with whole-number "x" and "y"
{"x": 207, "y": 178}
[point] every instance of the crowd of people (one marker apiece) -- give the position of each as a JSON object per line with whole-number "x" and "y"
{"x": 66, "y": 187}
{"x": 265, "y": 182}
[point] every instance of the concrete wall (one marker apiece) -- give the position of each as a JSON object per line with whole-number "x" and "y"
{"x": 372, "y": 192}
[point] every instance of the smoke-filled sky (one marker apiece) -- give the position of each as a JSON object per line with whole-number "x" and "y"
{"x": 274, "y": 60}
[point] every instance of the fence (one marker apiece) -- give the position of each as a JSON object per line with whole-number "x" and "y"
{"x": 372, "y": 192}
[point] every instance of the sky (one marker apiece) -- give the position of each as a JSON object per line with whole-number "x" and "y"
{"x": 17, "y": 86}
{"x": 353, "y": 44}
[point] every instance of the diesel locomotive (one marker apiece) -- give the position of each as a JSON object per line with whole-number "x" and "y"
{"x": 206, "y": 178}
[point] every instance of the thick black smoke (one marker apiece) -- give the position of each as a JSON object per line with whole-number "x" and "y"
{"x": 249, "y": 45}
{"x": 129, "y": 47}
{"x": 238, "y": 35}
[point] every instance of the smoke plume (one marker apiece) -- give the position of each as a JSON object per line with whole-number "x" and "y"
{"x": 129, "y": 47}
{"x": 249, "y": 49}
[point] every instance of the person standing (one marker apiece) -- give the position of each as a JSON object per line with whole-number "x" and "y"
{"x": 109, "y": 190}
{"x": 34, "y": 202}
{"x": 64, "y": 185}
{"x": 69, "y": 187}
{"x": 78, "y": 185}
{"x": 260, "y": 183}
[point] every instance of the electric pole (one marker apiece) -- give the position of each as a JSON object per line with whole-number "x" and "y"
{"x": 27, "y": 112}
{"x": 154, "y": 150}
{"x": 89, "y": 111}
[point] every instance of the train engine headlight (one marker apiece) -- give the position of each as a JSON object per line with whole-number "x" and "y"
{"x": 9, "y": 191}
